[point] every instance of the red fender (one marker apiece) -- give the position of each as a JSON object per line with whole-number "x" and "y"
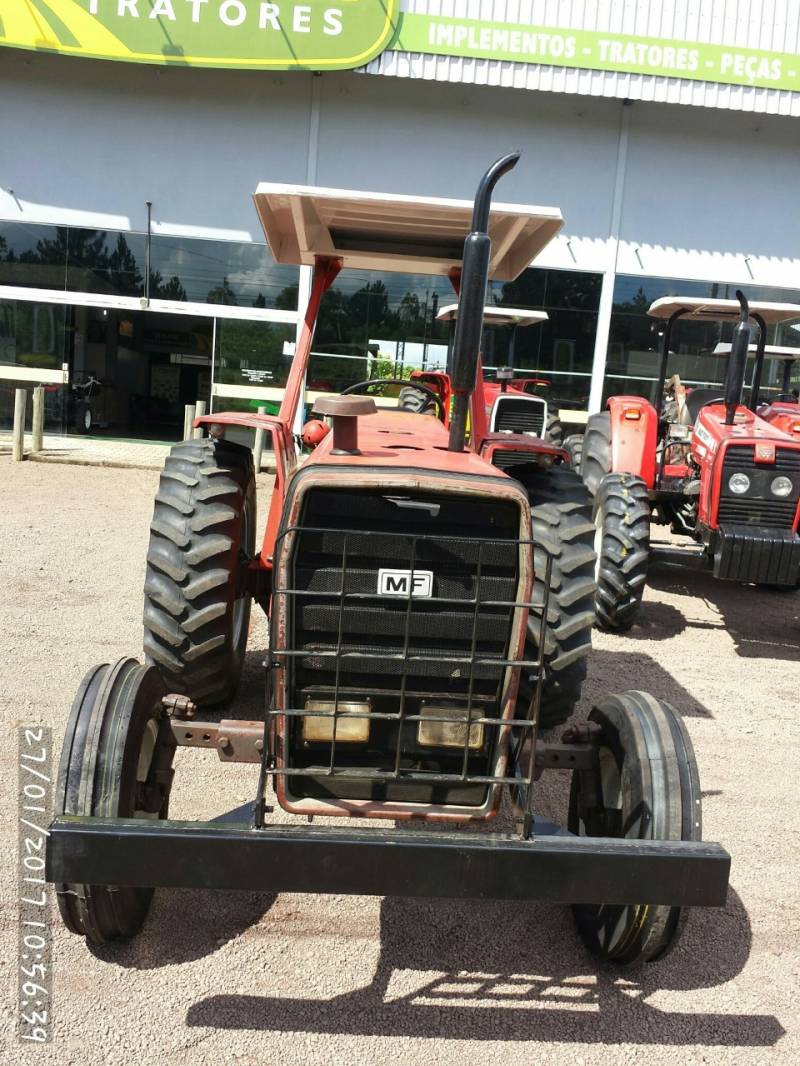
{"x": 634, "y": 433}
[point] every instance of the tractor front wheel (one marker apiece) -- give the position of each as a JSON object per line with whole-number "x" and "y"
{"x": 562, "y": 531}
{"x": 622, "y": 546}
{"x": 554, "y": 430}
{"x": 202, "y": 536}
{"x": 116, "y": 762}
{"x": 573, "y": 445}
{"x": 596, "y": 452}
{"x": 646, "y": 787}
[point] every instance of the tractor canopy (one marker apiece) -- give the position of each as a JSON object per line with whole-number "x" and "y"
{"x": 498, "y": 316}
{"x": 697, "y": 308}
{"x": 407, "y": 234}
{"x": 742, "y": 312}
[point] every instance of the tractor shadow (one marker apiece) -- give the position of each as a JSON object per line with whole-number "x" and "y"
{"x": 616, "y": 671}
{"x": 763, "y": 623}
{"x": 183, "y": 924}
{"x": 456, "y": 970}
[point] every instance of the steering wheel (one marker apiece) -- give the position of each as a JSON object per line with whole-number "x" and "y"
{"x": 365, "y": 386}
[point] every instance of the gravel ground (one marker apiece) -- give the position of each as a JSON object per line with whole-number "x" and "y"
{"x": 248, "y": 978}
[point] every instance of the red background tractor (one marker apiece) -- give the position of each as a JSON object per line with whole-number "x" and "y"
{"x": 699, "y": 461}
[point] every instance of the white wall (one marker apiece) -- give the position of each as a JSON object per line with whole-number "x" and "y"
{"x": 707, "y": 194}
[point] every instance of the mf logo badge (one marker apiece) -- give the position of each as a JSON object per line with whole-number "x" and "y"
{"x": 399, "y": 583}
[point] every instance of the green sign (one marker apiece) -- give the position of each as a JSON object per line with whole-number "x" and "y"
{"x": 595, "y": 50}
{"x": 342, "y": 34}
{"x": 282, "y": 35}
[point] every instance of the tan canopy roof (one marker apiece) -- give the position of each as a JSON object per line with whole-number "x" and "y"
{"x": 409, "y": 234}
{"x": 498, "y": 316}
{"x": 721, "y": 310}
{"x": 771, "y": 351}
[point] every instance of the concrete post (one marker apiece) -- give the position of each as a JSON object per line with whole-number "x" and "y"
{"x": 37, "y": 421}
{"x": 188, "y": 418}
{"x": 20, "y": 403}
{"x": 200, "y": 409}
{"x": 258, "y": 446}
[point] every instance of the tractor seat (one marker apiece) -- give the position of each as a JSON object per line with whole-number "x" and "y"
{"x": 698, "y": 398}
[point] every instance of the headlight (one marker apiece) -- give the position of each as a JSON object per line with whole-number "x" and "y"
{"x": 740, "y": 483}
{"x": 318, "y": 727}
{"x": 781, "y": 486}
{"x": 451, "y": 733}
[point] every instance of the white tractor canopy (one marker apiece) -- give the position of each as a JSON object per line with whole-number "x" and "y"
{"x": 771, "y": 351}
{"x": 498, "y": 316}
{"x": 721, "y": 310}
{"x": 407, "y": 234}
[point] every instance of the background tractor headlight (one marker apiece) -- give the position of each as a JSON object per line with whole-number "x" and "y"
{"x": 739, "y": 483}
{"x": 781, "y": 486}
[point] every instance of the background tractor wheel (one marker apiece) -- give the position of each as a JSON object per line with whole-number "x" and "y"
{"x": 574, "y": 445}
{"x": 596, "y": 455}
{"x": 622, "y": 546}
{"x": 410, "y": 399}
{"x": 563, "y": 530}
{"x": 650, "y": 790}
{"x": 116, "y": 763}
{"x": 84, "y": 419}
{"x": 554, "y": 430}
{"x": 196, "y": 614}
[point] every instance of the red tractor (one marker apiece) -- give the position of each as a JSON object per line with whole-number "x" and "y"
{"x": 700, "y": 462}
{"x": 521, "y": 409}
{"x": 414, "y": 601}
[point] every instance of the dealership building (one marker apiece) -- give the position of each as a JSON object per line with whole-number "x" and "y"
{"x": 134, "y": 134}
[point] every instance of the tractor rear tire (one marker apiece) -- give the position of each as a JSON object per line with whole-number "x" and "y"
{"x": 554, "y": 430}
{"x": 622, "y": 546}
{"x": 116, "y": 762}
{"x": 649, "y": 790}
{"x": 416, "y": 402}
{"x": 573, "y": 444}
{"x": 196, "y": 613}
{"x": 596, "y": 455}
{"x": 563, "y": 531}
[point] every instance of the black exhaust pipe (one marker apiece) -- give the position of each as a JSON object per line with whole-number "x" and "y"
{"x": 737, "y": 363}
{"x": 471, "y": 300}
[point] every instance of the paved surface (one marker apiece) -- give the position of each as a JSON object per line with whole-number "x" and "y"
{"x": 102, "y": 451}
{"x": 246, "y": 978}
{"x": 94, "y": 451}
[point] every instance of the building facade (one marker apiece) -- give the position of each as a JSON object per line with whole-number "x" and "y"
{"x": 130, "y": 251}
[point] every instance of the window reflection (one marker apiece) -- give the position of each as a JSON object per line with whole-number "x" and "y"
{"x": 635, "y": 339}
{"x": 252, "y": 353}
{"x": 396, "y": 313}
{"x": 113, "y": 263}
{"x": 33, "y": 256}
{"x": 220, "y": 272}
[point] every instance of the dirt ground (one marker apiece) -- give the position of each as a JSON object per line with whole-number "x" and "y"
{"x": 251, "y": 978}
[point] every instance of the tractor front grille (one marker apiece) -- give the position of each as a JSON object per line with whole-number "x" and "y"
{"x": 759, "y": 506}
{"x": 505, "y": 459}
{"x": 519, "y": 414}
{"x": 404, "y": 659}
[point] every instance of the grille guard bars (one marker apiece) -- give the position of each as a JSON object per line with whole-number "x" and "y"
{"x": 504, "y": 724}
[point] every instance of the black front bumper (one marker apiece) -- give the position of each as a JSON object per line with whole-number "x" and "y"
{"x": 364, "y": 861}
{"x": 765, "y": 556}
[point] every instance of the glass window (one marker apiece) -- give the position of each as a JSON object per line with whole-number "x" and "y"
{"x": 252, "y": 353}
{"x": 635, "y": 339}
{"x": 35, "y": 335}
{"x": 35, "y": 256}
{"x": 220, "y": 272}
{"x": 386, "y": 323}
{"x": 560, "y": 350}
{"x": 105, "y": 261}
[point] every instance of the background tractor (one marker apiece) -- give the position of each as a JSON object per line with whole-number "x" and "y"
{"x": 522, "y": 410}
{"x": 407, "y": 581}
{"x": 699, "y": 461}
